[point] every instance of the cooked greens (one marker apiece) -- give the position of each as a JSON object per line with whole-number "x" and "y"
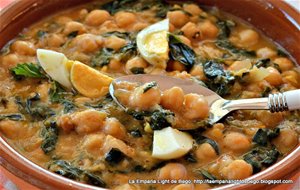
{"x": 260, "y": 157}
{"x": 114, "y": 156}
{"x": 262, "y": 136}
{"x": 65, "y": 169}
{"x": 50, "y": 136}
{"x": 149, "y": 85}
{"x": 202, "y": 139}
{"x": 181, "y": 52}
{"x": 14, "y": 117}
{"x": 103, "y": 57}
{"x": 219, "y": 80}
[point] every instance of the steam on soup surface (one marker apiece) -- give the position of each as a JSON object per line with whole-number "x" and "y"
{"x": 64, "y": 120}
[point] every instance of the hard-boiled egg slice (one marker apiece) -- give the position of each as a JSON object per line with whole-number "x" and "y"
{"x": 152, "y": 43}
{"x": 56, "y": 65}
{"x": 88, "y": 81}
{"x": 170, "y": 143}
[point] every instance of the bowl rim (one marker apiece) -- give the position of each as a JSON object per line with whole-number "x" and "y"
{"x": 40, "y": 176}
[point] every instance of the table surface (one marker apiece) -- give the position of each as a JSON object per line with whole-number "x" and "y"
{"x": 10, "y": 182}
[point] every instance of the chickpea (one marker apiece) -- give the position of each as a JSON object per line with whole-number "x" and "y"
{"x": 83, "y": 13}
{"x": 172, "y": 99}
{"x": 172, "y": 171}
{"x": 177, "y": 18}
{"x": 193, "y": 9}
{"x": 115, "y": 64}
{"x": 125, "y": 19}
{"x": 197, "y": 71}
{"x": 63, "y": 20}
{"x": 86, "y": 42}
{"x": 114, "y": 42}
{"x": 74, "y": 26}
{"x": 286, "y": 140}
{"x": 171, "y": 27}
{"x": 113, "y": 127}
{"x": 175, "y": 66}
{"x": 269, "y": 119}
{"x": 265, "y": 53}
{"x": 93, "y": 143}
{"x": 112, "y": 142}
{"x": 88, "y": 121}
{"x": 216, "y": 132}
{"x": 195, "y": 106}
{"x": 140, "y": 26}
{"x": 10, "y": 60}
{"x": 208, "y": 30}
{"x": 136, "y": 62}
{"x": 238, "y": 169}
{"x": 191, "y": 30}
{"x": 284, "y": 63}
{"x": 66, "y": 123}
{"x": 205, "y": 152}
{"x": 184, "y": 187}
{"x": 55, "y": 40}
{"x": 97, "y": 17}
{"x": 23, "y": 48}
{"x": 145, "y": 100}
{"x": 248, "y": 37}
{"x": 236, "y": 141}
{"x": 291, "y": 77}
{"x": 274, "y": 77}
{"x": 185, "y": 40}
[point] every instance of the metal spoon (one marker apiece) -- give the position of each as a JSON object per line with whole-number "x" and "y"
{"x": 219, "y": 107}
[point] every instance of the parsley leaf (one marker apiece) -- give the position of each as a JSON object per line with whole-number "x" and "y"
{"x": 28, "y": 70}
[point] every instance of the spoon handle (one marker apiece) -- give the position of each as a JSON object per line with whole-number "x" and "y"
{"x": 275, "y": 102}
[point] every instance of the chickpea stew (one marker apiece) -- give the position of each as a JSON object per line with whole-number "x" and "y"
{"x": 56, "y": 111}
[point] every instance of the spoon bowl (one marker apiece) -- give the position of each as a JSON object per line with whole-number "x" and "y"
{"x": 219, "y": 107}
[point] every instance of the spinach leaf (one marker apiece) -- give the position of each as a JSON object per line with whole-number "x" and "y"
{"x": 118, "y": 5}
{"x": 161, "y": 119}
{"x": 181, "y": 52}
{"x": 27, "y": 70}
{"x": 202, "y": 139}
{"x": 137, "y": 70}
{"x": 224, "y": 29}
{"x": 72, "y": 34}
{"x": 206, "y": 174}
{"x": 136, "y": 133}
{"x": 148, "y": 86}
{"x": 41, "y": 33}
{"x": 158, "y": 119}
{"x": 58, "y": 95}
{"x": 263, "y": 63}
{"x": 190, "y": 158}
{"x": 260, "y": 157}
{"x": 219, "y": 80}
{"x": 262, "y": 136}
{"x": 128, "y": 51}
{"x": 65, "y": 169}
{"x": 124, "y": 35}
{"x": 114, "y": 156}
{"x": 31, "y": 106}
{"x": 50, "y": 137}
{"x": 227, "y": 45}
{"x": 103, "y": 57}
{"x": 14, "y": 117}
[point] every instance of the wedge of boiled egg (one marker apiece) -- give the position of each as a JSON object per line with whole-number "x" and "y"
{"x": 170, "y": 143}
{"x": 86, "y": 80}
{"x": 152, "y": 43}
{"x": 56, "y": 65}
